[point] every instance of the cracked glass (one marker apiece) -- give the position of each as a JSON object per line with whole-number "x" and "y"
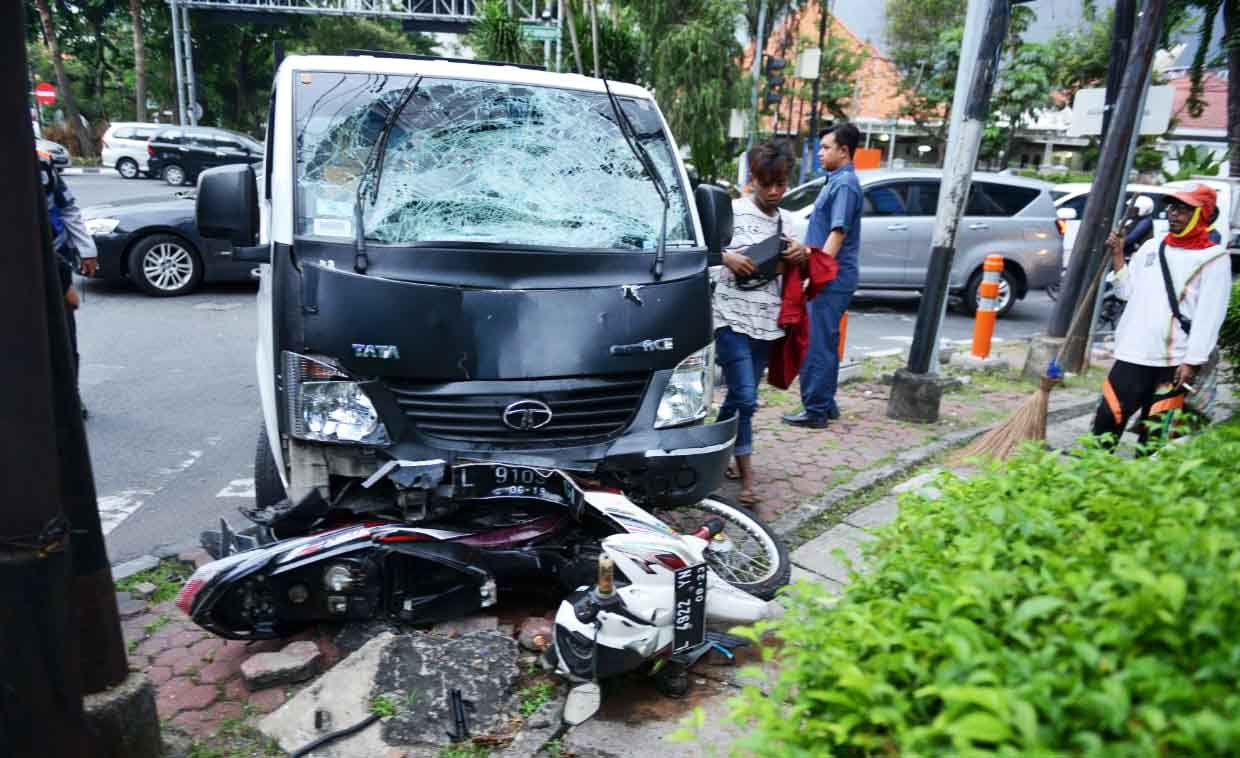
{"x": 482, "y": 162}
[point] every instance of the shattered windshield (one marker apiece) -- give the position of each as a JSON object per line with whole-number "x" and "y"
{"x": 471, "y": 161}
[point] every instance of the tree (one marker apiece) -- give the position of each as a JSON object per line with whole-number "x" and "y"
{"x": 1081, "y": 55}
{"x": 139, "y": 60}
{"x": 496, "y": 35}
{"x": 693, "y": 72}
{"x": 1024, "y": 86}
{"x": 1193, "y": 161}
{"x": 86, "y": 145}
{"x": 923, "y": 39}
{"x": 838, "y": 74}
{"x": 620, "y": 43}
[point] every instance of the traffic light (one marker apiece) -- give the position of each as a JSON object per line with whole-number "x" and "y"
{"x": 774, "y": 81}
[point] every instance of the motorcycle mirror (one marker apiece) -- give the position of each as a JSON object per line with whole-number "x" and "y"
{"x": 583, "y": 702}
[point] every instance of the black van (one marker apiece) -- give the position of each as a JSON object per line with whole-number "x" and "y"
{"x": 474, "y": 263}
{"x": 179, "y": 154}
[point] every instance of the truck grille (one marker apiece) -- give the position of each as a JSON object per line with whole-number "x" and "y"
{"x": 582, "y": 410}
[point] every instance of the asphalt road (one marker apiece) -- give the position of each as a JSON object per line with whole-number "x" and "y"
{"x": 109, "y": 187}
{"x": 171, "y": 388}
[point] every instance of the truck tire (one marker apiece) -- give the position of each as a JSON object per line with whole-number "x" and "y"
{"x": 268, "y": 489}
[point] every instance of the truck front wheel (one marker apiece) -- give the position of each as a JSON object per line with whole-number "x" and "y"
{"x": 268, "y": 489}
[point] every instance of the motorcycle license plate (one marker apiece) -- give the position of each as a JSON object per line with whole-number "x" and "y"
{"x": 690, "y": 622}
{"x": 481, "y": 481}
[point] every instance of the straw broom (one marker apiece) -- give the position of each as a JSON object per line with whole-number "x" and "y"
{"x": 1029, "y": 420}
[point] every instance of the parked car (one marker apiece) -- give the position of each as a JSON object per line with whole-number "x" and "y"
{"x": 155, "y": 245}
{"x": 1008, "y": 215}
{"x": 124, "y": 147}
{"x": 178, "y": 154}
{"x": 60, "y": 156}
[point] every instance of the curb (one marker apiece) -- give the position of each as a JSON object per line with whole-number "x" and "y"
{"x": 80, "y": 170}
{"x": 787, "y": 525}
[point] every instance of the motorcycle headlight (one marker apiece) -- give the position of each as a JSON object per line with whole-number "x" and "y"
{"x": 324, "y": 406}
{"x": 102, "y": 225}
{"x": 690, "y": 391}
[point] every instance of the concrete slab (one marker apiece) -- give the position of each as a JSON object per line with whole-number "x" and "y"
{"x": 879, "y": 513}
{"x": 636, "y": 720}
{"x": 129, "y": 568}
{"x": 817, "y": 554}
{"x": 917, "y": 483}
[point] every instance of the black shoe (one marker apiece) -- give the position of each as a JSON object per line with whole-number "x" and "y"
{"x": 834, "y": 413}
{"x": 807, "y": 420}
{"x": 85, "y": 413}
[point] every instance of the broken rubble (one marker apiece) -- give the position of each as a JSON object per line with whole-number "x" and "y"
{"x": 467, "y": 625}
{"x": 536, "y": 634}
{"x": 296, "y": 662}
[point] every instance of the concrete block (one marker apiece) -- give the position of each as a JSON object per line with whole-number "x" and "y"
{"x": 467, "y": 625}
{"x": 969, "y": 362}
{"x": 818, "y": 556}
{"x": 850, "y": 371}
{"x": 1041, "y": 350}
{"x": 297, "y": 662}
{"x": 123, "y": 719}
{"x": 915, "y": 397}
{"x": 879, "y": 513}
{"x": 129, "y": 568}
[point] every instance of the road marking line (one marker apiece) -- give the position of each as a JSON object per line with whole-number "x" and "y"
{"x": 238, "y": 488}
{"x": 114, "y": 509}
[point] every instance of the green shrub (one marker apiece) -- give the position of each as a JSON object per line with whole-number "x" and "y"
{"x": 1054, "y": 606}
{"x": 1229, "y": 335}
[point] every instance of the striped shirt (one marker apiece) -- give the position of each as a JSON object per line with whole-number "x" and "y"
{"x": 751, "y": 312}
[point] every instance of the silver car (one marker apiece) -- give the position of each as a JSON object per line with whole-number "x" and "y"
{"x": 1006, "y": 215}
{"x": 124, "y": 147}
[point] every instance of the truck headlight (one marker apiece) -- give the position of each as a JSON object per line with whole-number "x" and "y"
{"x": 690, "y": 391}
{"x": 102, "y": 225}
{"x": 324, "y": 405}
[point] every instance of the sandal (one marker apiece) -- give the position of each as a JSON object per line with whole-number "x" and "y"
{"x": 731, "y": 472}
{"x": 748, "y": 498}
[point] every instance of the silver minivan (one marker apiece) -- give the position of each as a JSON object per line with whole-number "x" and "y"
{"x": 124, "y": 147}
{"x": 1006, "y": 215}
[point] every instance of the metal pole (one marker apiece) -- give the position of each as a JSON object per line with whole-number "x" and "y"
{"x": 824, "y": 14}
{"x": 559, "y": 40}
{"x": 1108, "y": 183}
{"x": 986, "y": 26}
{"x": 41, "y": 696}
{"x": 176, "y": 60}
{"x": 572, "y": 33}
{"x": 188, "y": 47}
{"x": 755, "y": 72}
{"x": 1121, "y": 42}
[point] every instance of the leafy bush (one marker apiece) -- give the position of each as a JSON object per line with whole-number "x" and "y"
{"x": 1229, "y": 335}
{"x": 1085, "y": 605}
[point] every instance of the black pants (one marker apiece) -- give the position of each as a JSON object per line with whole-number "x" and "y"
{"x": 1130, "y": 389}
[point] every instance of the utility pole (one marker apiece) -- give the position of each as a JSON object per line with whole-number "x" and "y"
{"x": 177, "y": 69}
{"x": 41, "y": 700}
{"x": 1109, "y": 182}
{"x": 916, "y": 391}
{"x": 755, "y": 71}
{"x": 572, "y": 31}
{"x": 59, "y": 626}
{"x": 824, "y": 14}
{"x": 594, "y": 37}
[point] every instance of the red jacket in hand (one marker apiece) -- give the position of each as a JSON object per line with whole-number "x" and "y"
{"x": 789, "y": 351}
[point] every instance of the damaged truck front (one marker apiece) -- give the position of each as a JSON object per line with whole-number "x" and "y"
{"x": 465, "y": 262}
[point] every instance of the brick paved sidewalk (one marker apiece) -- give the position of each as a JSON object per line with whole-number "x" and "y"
{"x": 198, "y": 677}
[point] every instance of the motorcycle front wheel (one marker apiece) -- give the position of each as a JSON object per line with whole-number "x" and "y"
{"x": 747, "y": 554}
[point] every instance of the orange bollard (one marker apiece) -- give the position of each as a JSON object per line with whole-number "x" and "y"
{"x": 843, "y": 336}
{"x": 987, "y": 306}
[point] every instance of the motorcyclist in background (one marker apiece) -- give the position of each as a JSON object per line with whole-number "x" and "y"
{"x": 72, "y": 244}
{"x": 1138, "y": 224}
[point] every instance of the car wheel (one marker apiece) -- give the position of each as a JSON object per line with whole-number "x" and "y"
{"x": 127, "y": 168}
{"x": 163, "y": 265}
{"x": 174, "y": 175}
{"x": 1007, "y": 293}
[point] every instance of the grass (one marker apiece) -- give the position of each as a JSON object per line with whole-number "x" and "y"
{"x": 168, "y": 577}
{"x": 554, "y": 748}
{"x": 383, "y": 706}
{"x": 534, "y": 697}
{"x": 159, "y": 623}
{"x": 465, "y": 750}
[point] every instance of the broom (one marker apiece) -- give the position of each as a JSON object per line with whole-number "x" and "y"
{"x": 1029, "y": 420}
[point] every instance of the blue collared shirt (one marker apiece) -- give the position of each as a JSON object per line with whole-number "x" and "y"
{"x": 839, "y": 207}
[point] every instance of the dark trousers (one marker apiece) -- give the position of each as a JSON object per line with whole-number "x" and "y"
{"x": 820, "y": 371}
{"x": 1134, "y": 389}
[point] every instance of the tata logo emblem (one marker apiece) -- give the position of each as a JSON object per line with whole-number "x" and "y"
{"x": 381, "y": 352}
{"x": 527, "y": 415}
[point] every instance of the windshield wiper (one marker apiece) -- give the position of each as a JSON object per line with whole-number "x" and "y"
{"x": 374, "y": 164}
{"x": 643, "y": 157}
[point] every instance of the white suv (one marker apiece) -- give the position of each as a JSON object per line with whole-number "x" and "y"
{"x": 124, "y": 147}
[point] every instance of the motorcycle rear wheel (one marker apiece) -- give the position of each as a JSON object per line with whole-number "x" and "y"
{"x": 747, "y": 554}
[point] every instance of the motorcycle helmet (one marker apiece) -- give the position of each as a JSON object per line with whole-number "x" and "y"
{"x": 1144, "y": 205}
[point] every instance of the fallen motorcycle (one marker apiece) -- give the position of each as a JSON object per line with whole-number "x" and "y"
{"x": 510, "y": 526}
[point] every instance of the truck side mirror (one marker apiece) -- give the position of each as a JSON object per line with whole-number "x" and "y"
{"x": 227, "y": 205}
{"x": 714, "y": 207}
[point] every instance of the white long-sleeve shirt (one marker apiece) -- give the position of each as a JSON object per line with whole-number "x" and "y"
{"x": 1148, "y": 332}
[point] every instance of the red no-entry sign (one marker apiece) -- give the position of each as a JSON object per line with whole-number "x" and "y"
{"x": 45, "y": 93}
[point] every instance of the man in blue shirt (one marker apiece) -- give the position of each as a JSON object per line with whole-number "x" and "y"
{"x": 835, "y": 227}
